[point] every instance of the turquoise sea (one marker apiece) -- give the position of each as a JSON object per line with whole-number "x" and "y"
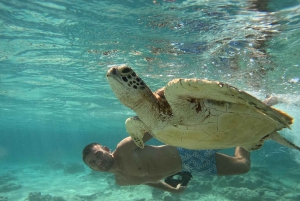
{"x": 55, "y": 99}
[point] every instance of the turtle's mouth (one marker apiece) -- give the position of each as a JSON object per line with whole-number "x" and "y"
{"x": 111, "y": 71}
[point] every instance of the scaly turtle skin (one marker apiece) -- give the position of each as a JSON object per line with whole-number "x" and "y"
{"x": 197, "y": 114}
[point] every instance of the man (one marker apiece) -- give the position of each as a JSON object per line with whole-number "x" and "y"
{"x": 133, "y": 166}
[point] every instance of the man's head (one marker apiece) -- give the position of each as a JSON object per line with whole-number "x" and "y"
{"x": 98, "y": 157}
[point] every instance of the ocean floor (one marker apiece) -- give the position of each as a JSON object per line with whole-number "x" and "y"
{"x": 58, "y": 181}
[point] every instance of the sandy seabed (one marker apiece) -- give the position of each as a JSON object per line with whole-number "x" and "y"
{"x": 75, "y": 182}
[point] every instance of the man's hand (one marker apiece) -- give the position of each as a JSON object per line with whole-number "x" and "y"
{"x": 271, "y": 100}
{"x": 180, "y": 189}
{"x": 166, "y": 187}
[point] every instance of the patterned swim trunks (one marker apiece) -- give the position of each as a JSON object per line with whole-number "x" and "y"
{"x": 198, "y": 161}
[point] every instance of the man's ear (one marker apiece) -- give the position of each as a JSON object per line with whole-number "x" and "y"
{"x": 106, "y": 148}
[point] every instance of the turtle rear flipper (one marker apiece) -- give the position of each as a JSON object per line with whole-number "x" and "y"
{"x": 281, "y": 140}
{"x": 273, "y": 136}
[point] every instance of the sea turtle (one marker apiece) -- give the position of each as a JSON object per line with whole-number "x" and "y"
{"x": 197, "y": 114}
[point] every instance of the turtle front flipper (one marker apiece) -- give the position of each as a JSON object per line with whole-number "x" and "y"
{"x": 179, "y": 92}
{"x": 136, "y": 129}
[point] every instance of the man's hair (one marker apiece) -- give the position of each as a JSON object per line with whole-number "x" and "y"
{"x": 87, "y": 149}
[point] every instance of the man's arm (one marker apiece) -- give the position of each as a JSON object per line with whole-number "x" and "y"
{"x": 166, "y": 187}
{"x": 228, "y": 165}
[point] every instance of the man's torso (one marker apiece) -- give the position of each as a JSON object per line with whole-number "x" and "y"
{"x": 147, "y": 165}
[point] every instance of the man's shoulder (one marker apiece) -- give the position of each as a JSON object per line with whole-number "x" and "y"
{"x": 126, "y": 143}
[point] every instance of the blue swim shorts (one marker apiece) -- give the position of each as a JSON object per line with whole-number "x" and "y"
{"x": 198, "y": 161}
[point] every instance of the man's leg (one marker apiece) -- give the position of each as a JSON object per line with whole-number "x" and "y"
{"x": 228, "y": 165}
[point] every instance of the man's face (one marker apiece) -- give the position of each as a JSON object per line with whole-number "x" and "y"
{"x": 99, "y": 159}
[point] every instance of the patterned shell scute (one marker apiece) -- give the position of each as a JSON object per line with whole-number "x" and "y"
{"x": 213, "y": 115}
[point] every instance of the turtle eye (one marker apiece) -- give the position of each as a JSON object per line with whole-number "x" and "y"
{"x": 126, "y": 70}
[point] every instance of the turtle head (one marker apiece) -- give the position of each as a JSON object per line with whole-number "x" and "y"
{"x": 128, "y": 86}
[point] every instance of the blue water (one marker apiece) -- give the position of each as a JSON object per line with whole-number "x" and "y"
{"x": 54, "y": 55}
